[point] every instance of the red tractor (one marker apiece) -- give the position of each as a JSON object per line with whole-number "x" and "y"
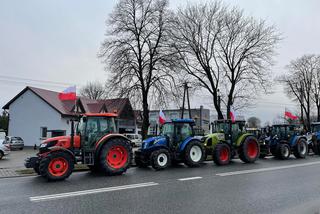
{"x": 95, "y": 144}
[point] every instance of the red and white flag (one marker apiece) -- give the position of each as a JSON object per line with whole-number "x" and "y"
{"x": 68, "y": 94}
{"x": 162, "y": 118}
{"x": 232, "y": 114}
{"x": 288, "y": 114}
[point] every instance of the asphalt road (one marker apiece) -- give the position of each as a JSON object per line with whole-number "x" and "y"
{"x": 268, "y": 186}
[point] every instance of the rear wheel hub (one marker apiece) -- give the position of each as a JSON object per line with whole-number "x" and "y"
{"x": 117, "y": 157}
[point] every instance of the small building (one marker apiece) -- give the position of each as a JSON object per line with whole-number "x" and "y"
{"x": 200, "y": 115}
{"x": 36, "y": 114}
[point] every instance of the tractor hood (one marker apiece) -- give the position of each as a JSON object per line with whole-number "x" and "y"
{"x": 153, "y": 140}
{"x": 215, "y": 138}
{"x": 63, "y": 141}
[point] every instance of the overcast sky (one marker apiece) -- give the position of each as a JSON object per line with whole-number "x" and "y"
{"x": 57, "y": 42}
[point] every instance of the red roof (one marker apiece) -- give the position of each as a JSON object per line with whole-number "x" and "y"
{"x": 85, "y": 105}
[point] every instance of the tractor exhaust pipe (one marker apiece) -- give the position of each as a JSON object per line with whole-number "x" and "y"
{"x": 72, "y": 133}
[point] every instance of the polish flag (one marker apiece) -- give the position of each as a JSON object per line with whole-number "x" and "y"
{"x": 232, "y": 115}
{"x": 68, "y": 94}
{"x": 289, "y": 115}
{"x": 162, "y": 118}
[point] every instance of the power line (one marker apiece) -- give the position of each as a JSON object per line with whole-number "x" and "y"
{"x": 19, "y": 79}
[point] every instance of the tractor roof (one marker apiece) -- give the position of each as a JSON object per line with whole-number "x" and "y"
{"x": 229, "y": 121}
{"x": 182, "y": 121}
{"x": 100, "y": 115}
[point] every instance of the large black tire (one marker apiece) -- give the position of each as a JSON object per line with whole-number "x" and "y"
{"x": 36, "y": 169}
{"x": 249, "y": 150}
{"x": 300, "y": 150}
{"x": 94, "y": 168}
{"x": 56, "y": 166}
{"x": 221, "y": 154}
{"x": 140, "y": 163}
{"x": 1, "y": 155}
{"x": 194, "y": 154}
{"x": 160, "y": 159}
{"x": 283, "y": 151}
{"x": 316, "y": 147}
{"x": 115, "y": 156}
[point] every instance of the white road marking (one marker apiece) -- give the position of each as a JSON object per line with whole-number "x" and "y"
{"x": 187, "y": 179}
{"x": 91, "y": 191}
{"x": 266, "y": 169}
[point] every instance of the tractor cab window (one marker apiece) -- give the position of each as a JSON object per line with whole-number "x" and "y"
{"x": 81, "y": 127}
{"x": 183, "y": 131}
{"x": 316, "y": 128}
{"x": 167, "y": 129}
{"x": 222, "y": 127}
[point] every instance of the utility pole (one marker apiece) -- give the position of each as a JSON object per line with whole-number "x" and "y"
{"x": 186, "y": 93}
{"x": 301, "y": 102}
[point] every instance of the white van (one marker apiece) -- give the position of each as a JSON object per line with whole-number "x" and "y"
{"x": 136, "y": 139}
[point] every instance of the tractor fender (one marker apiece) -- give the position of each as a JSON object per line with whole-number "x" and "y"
{"x": 215, "y": 139}
{"x": 296, "y": 139}
{"x": 58, "y": 149}
{"x": 242, "y": 138}
{"x": 105, "y": 139}
{"x": 186, "y": 142}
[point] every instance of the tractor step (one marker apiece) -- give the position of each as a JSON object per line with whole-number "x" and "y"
{"x": 88, "y": 157}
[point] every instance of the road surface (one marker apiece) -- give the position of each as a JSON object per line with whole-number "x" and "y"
{"x": 268, "y": 186}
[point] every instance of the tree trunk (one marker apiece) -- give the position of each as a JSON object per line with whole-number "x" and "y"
{"x": 318, "y": 113}
{"x": 217, "y": 106}
{"x": 145, "y": 121}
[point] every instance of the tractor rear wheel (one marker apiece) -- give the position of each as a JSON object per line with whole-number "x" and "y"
{"x": 300, "y": 149}
{"x": 222, "y": 154}
{"x": 160, "y": 159}
{"x": 249, "y": 150}
{"x": 115, "y": 156}
{"x": 283, "y": 151}
{"x": 316, "y": 147}
{"x": 56, "y": 166}
{"x": 194, "y": 154}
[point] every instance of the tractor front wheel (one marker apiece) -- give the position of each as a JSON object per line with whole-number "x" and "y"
{"x": 194, "y": 154}
{"x": 115, "y": 156}
{"x": 222, "y": 154}
{"x": 249, "y": 150}
{"x": 56, "y": 166}
{"x": 283, "y": 151}
{"x": 300, "y": 149}
{"x": 160, "y": 159}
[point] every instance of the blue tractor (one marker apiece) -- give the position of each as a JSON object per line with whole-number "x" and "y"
{"x": 175, "y": 144}
{"x": 286, "y": 139}
{"x": 315, "y": 139}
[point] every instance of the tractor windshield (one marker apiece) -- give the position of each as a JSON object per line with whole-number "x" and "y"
{"x": 316, "y": 128}
{"x": 81, "y": 127}
{"x": 167, "y": 129}
{"x": 222, "y": 127}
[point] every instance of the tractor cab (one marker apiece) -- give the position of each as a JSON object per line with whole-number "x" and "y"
{"x": 231, "y": 130}
{"x": 177, "y": 131}
{"x": 285, "y": 131}
{"x": 92, "y": 127}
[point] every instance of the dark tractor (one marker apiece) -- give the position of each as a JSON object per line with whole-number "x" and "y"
{"x": 286, "y": 139}
{"x": 230, "y": 139}
{"x": 175, "y": 144}
{"x": 95, "y": 144}
{"x": 315, "y": 139}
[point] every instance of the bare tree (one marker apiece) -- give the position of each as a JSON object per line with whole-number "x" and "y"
{"x": 254, "y": 122}
{"x": 93, "y": 90}
{"x": 137, "y": 53}
{"x": 315, "y": 88}
{"x": 301, "y": 84}
{"x": 225, "y": 52}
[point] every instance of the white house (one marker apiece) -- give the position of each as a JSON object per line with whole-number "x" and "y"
{"x": 35, "y": 114}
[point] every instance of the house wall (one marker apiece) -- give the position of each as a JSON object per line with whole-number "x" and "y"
{"x": 28, "y": 113}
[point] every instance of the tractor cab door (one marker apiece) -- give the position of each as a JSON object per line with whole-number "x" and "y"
{"x": 96, "y": 128}
{"x": 182, "y": 132}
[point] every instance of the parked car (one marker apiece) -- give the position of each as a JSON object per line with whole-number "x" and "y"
{"x": 136, "y": 139}
{"x": 4, "y": 148}
{"x": 15, "y": 142}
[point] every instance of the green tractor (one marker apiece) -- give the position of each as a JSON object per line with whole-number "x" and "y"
{"x": 230, "y": 139}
